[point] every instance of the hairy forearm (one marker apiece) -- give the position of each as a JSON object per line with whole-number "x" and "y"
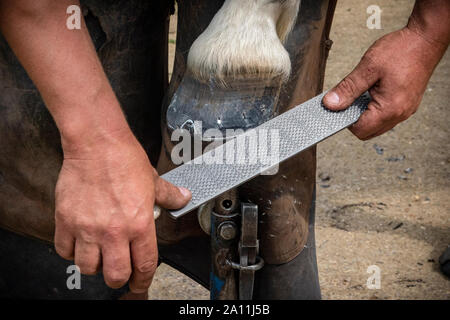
{"x": 431, "y": 19}
{"x": 65, "y": 68}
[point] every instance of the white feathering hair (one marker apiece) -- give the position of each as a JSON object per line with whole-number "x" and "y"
{"x": 245, "y": 38}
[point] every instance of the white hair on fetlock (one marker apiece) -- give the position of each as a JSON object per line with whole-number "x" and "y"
{"x": 287, "y": 19}
{"x": 245, "y": 39}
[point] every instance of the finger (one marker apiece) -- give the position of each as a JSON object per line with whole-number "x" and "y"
{"x": 364, "y": 76}
{"x": 371, "y": 121}
{"x": 134, "y": 296}
{"x": 87, "y": 257}
{"x": 380, "y": 132}
{"x": 116, "y": 263}
{"x": 144, "y": 253}
{"x": 64, "y": 243}
{"x": 170, "y": 197}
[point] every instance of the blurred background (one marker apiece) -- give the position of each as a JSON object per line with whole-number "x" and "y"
{"x": 383, "y": 202}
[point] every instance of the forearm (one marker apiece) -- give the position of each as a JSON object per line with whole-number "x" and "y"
{"x": 65, "y": 68}
{"x": 431, "y": 19}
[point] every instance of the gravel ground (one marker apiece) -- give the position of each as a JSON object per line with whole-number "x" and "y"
{"x": 382, "y": 202}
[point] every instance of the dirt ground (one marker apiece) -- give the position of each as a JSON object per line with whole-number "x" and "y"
{"x": 386, "y": 201}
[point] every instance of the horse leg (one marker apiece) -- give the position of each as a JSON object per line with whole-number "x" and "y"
{"x": 229, "y": 68}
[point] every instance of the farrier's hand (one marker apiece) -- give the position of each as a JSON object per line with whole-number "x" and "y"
{"x": 104, "y": 211}
{"x": 395, "y": 70}
{"x": 107, "y": 188}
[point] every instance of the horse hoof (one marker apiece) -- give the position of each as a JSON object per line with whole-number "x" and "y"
{"x": 238, "y": 103}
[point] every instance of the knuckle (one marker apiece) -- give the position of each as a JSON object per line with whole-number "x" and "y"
{"x": 141, "y": 229}
{"x": 348, "y": 85}
{"x": 405, "y": 111}
{"x": 63, "y": 216}
{"x": 370, "y": 59}
{"x": 162, "y": 196}
{"x": 398, "y": 113}
{"x": 369, "y": 69}
{"x": 147, "y": 266}
{"x": 161, "y": 186}
{"x": 114, "y": 233}
{"x": 63, "y": 252}
{"x": 60, "y": 249}
{"x": 398, "y": 101}
{"x": 86, "y": 226}
{"x": 63, "y": 207}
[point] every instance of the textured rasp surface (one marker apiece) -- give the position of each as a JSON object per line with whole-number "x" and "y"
{"x": 276, "y": 140}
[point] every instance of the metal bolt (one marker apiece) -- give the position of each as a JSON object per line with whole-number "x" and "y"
{"x": 227, "y": 230}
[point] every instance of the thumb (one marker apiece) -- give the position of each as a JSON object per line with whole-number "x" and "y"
{"x": 364, "y": 76}
{"x": 169, "y": 196}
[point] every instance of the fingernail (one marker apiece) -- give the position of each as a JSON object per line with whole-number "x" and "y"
{"x": 332, "y": 98}
{"x": 185, "y": 192}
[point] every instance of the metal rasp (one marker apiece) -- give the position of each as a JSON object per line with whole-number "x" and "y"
{"x": 249, "y": 154}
